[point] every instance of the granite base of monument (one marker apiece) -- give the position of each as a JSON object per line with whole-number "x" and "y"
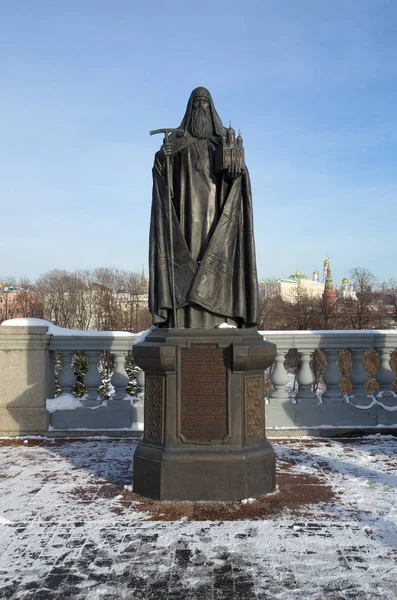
{"x": 204, "y": 435}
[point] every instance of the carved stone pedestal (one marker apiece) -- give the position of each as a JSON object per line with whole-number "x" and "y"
{"x": 204, "y": 415}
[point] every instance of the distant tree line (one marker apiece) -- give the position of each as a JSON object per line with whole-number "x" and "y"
{"x": 105, "y": 299}
{"x": 110, "y": 299}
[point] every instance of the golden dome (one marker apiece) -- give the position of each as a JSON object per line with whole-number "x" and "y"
{"x": 344, "y": 281}
{"x": 297, "y": 275}
{"x": 326, "y": 262}
{"x": 315, "y": 272}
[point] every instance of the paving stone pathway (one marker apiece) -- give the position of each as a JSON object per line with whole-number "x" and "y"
{"x": 70, "y": 529}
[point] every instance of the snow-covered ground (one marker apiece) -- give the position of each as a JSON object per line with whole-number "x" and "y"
{"x": 71, "y": 528}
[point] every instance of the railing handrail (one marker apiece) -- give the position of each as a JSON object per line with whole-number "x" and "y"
{"x": 307, "y": 332}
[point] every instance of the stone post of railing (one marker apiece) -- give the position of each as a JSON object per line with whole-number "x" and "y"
{"x": 305, "y": 376}
{"x": 385, "y": 376}
{"x": 331, "y": 375}
{"x": 92, "y": 379}
{"x": 279, "y": 377}
{"x": 26, "y": 379}
{"x": 358, "y": 375}
{"x": 119, "y": 378}
{"x": 66, "y": 377}
{"x": 120, "y": 348}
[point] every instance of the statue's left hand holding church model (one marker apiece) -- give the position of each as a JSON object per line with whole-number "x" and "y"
{"x": 202, "y": 254}
{"x": 204, "y": 435}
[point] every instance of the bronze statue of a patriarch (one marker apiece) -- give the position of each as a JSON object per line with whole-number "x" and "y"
{"x": 202, "y": 252}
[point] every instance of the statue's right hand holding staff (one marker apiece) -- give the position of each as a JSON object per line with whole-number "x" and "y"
{"x": 167, "y": 147}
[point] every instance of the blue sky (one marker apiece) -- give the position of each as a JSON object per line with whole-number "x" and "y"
{"x": 311, "y": 84}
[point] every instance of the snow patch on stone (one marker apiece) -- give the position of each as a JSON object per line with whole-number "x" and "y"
{"x": 374, "y": 402}
{"x": 4, "y": 521}
{"x": 143, "y": 335}
{"x": 63, "y": 402}
{"x": 54, "y": 330}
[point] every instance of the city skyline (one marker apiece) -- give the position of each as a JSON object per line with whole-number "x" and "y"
{"x": 12, "y": 280}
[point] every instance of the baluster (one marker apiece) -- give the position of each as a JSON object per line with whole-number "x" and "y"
{"x": 279, "y": 377}
{"x": 119, "y": 378}
{"x": 305, "y": 378}
{"x": 66, "y": 377}
{"x": 92, "y": 379}
{"x": 358, "y": 375}
{"x": 385, "y": 374}
{"x": 331, "y": 375}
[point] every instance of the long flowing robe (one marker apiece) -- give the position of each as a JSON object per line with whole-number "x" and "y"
{"x": 213, "y": 249}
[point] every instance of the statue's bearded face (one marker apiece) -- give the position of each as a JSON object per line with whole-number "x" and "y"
{"x": 200, "y": 125}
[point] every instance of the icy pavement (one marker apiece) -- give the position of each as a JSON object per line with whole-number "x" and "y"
{"x": 70, "y": 529}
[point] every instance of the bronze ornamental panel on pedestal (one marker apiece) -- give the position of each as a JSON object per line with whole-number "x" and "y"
{"x": 254, "y": 402}
{"x": 203, "y": 394}
{"x": 154, "y": 404}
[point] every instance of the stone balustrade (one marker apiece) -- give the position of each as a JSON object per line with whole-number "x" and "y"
{"x": 121, "y": 410}
{"x": 29, "y": 401}
{"x": 359, "y": 395}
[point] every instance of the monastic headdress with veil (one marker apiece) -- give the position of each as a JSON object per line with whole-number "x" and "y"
{"x": 216, "y": 120}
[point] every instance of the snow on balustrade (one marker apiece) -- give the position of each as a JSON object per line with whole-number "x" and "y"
{"x": 56, "y": 331}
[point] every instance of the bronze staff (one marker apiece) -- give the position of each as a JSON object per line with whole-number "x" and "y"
{"x": 167, "y": 132}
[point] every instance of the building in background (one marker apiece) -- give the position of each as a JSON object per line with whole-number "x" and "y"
{"x": 329, "y": 294}
{"x": 135, "y": 306}
{"x": 17, "y": 302}
{"x": 289, "y": 288}
{"x": 346, "y": 290}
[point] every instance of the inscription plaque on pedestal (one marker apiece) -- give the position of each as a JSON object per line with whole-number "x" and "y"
{"x": 204, "y": 415}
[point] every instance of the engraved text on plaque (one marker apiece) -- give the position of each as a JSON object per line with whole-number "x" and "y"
{"x": 203, "y": 393}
